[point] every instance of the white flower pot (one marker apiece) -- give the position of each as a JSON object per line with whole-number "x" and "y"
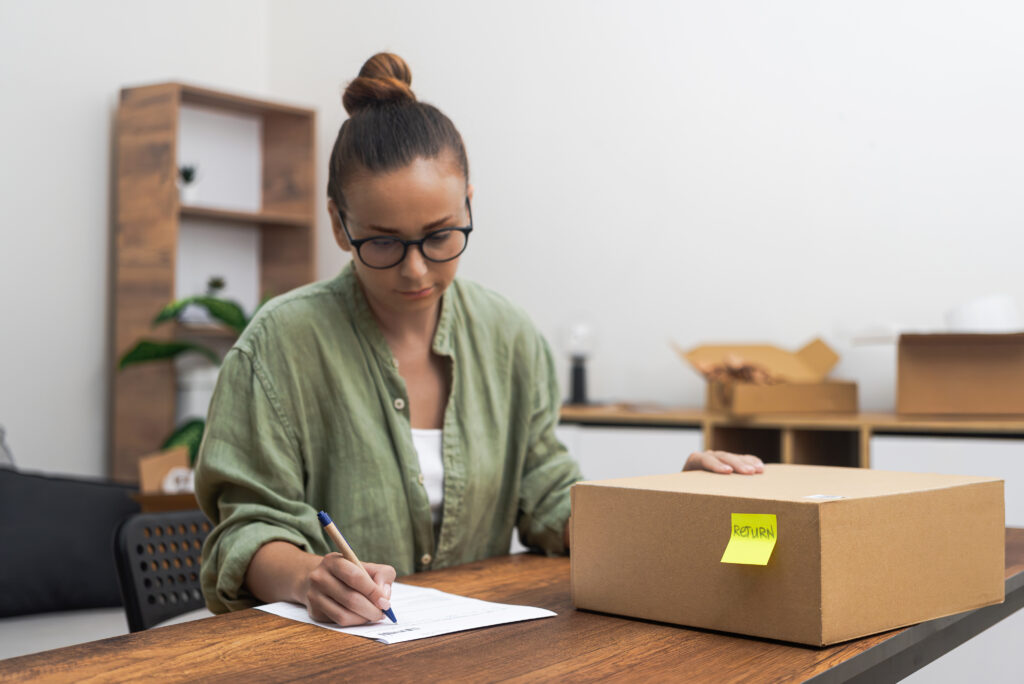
{"x": 188, "y": 192}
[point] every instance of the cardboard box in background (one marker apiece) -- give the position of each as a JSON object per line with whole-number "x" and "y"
{"x": 153, "y": 468}
{"x": 819, "y": 397}
{"x": 803, "y": 387}
{"x": 856, "y": 552}
{"x": 961, "y": 374}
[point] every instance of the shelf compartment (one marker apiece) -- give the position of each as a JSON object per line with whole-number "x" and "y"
{"x": 823, "y": 447}
{"x": 147, "y": 234}
{"x": 766, "y": 444}
{"x": 261, "y": 218}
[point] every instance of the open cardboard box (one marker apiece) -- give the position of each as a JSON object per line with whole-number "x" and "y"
{"x": 854, "y": 551}
{"x": 961, "y": 373}
{"x": 153, "y": 469}
{"x": 803, "y": 387}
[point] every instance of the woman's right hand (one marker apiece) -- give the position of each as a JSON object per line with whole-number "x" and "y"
{"x": 336, "y": 590}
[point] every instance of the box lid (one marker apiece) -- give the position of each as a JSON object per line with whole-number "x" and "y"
{"x": 813, "y": 485}
{"x": 809, "y": 364}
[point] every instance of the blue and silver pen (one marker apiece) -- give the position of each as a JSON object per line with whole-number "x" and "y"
{"x": 335, "y": 534}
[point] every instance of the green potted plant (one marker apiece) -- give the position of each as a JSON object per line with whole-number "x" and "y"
{"x": 225, "y": 312}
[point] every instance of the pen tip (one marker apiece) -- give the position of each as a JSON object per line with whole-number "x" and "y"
{"x": 391, "y": 615}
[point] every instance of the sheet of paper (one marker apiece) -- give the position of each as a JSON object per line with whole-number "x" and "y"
{"x": 422, "y": 613}
{"x": 752, "y": 540}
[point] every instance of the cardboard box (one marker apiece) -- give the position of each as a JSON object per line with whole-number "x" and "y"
{"x": 855, "y": 551}
{"x": 153, "y": 471}
{"x": 154, "y": 468}
{"x": 961, "y": 373}
{"x": 830, "y": 396}
{"x": 803, "y": 388}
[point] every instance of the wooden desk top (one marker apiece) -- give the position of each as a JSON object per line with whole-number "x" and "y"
{"x": 640, "y": 414}
{"x": 252, "y": 645}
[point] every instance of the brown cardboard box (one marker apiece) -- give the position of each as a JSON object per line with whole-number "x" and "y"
{"x": 803, "y": 388}
{"x": 154, "y": 467}
{"x": 741, "y": 399}
{"x": 856, "y": 551}
{"x": 961, "y": 373}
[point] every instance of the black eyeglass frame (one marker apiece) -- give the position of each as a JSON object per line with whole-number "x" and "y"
{"x": 358, "y": 244}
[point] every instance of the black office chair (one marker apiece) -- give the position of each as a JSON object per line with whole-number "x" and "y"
{"x": 158, "y": 557}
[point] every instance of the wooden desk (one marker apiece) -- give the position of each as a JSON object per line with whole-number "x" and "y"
{"x": 818, "y": 439}
{"x": 576, "y": 645}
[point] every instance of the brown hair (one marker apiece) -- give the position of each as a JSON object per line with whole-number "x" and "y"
{"x": 387, "y": 127}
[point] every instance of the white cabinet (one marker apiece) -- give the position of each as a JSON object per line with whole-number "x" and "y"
{"x": 610, "y": 452}
{"x": 989, "y": 456}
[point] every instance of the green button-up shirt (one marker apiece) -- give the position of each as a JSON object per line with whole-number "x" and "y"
{"x": 310, "y": 413}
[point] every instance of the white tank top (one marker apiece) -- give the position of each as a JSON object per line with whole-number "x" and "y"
{"x": 428, "y": 449}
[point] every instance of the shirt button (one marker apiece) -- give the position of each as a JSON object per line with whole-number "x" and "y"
{"x": 425, "y": 560}
{"x": 399, "y": 404}
{"x": 420, "y": 478}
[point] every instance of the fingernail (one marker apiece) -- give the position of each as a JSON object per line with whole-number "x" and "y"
{"x": 726, "y": 469}
{"x": 747, "y": 469}
{"x": 383, "y": 603}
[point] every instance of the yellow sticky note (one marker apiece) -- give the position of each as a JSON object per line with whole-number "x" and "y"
{"x": 752, "y": 539}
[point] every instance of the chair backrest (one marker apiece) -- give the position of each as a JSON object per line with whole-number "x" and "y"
{"x": 158, "y": 558}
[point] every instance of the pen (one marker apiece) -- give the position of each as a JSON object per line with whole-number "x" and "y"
{"x": 335, "y": 534}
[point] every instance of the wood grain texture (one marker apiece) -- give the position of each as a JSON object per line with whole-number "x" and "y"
{"x": 248, "y": 217}
{"x": 288, "y": 164}
{"x": 575, "y": 645}
{"x": 216, "y": 99}
{"x": 629, "y": 414}
{"x": 286, "y": 259}
{"x": 145, "y": 236}
{"x": 145, "y": 240}
{"x": 822, "y": 439}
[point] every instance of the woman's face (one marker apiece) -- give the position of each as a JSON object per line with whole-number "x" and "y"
{"x": 410, "y": 203}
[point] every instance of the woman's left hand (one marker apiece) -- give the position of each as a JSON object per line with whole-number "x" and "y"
{"x": 723, "y": 462}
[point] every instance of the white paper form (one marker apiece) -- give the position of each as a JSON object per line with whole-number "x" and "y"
{"x": 421, "y": 613}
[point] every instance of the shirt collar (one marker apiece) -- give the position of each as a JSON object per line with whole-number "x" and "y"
{"x": 346, "y": 284}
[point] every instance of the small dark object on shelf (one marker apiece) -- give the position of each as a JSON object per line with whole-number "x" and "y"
{"x": 578, "y": 378}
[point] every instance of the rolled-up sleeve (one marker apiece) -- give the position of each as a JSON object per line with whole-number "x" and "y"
{"x": 548, "y": 469}
{"x": 249, "y": 481}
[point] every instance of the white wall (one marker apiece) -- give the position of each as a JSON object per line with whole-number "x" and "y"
{"x": 62, "y": 65}
{"x": 704, "y": 171}
{"x": 690, "y": 171}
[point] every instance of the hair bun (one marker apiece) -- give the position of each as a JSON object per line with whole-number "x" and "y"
{"x": 384, "y": 78}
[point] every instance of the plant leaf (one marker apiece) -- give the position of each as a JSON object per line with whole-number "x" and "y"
{"x": 155, "y": 350}
{"x": 172, "y": 310}
{"x": 226, "y": 311}
{"x": 189, "y": 434}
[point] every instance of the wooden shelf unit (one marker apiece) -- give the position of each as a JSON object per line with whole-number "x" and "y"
{"x": 146, "y": 231}
{"x": 817, "y": 439}
{"x": 267, "y": 218}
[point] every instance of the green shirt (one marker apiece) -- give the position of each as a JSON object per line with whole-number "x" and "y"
{"x": 310, "y": 413}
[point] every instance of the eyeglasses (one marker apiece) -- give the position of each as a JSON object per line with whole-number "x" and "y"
{"x": 386, "y": 252}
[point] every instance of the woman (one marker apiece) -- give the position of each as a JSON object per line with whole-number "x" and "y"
{"x": 417, "y": 409}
